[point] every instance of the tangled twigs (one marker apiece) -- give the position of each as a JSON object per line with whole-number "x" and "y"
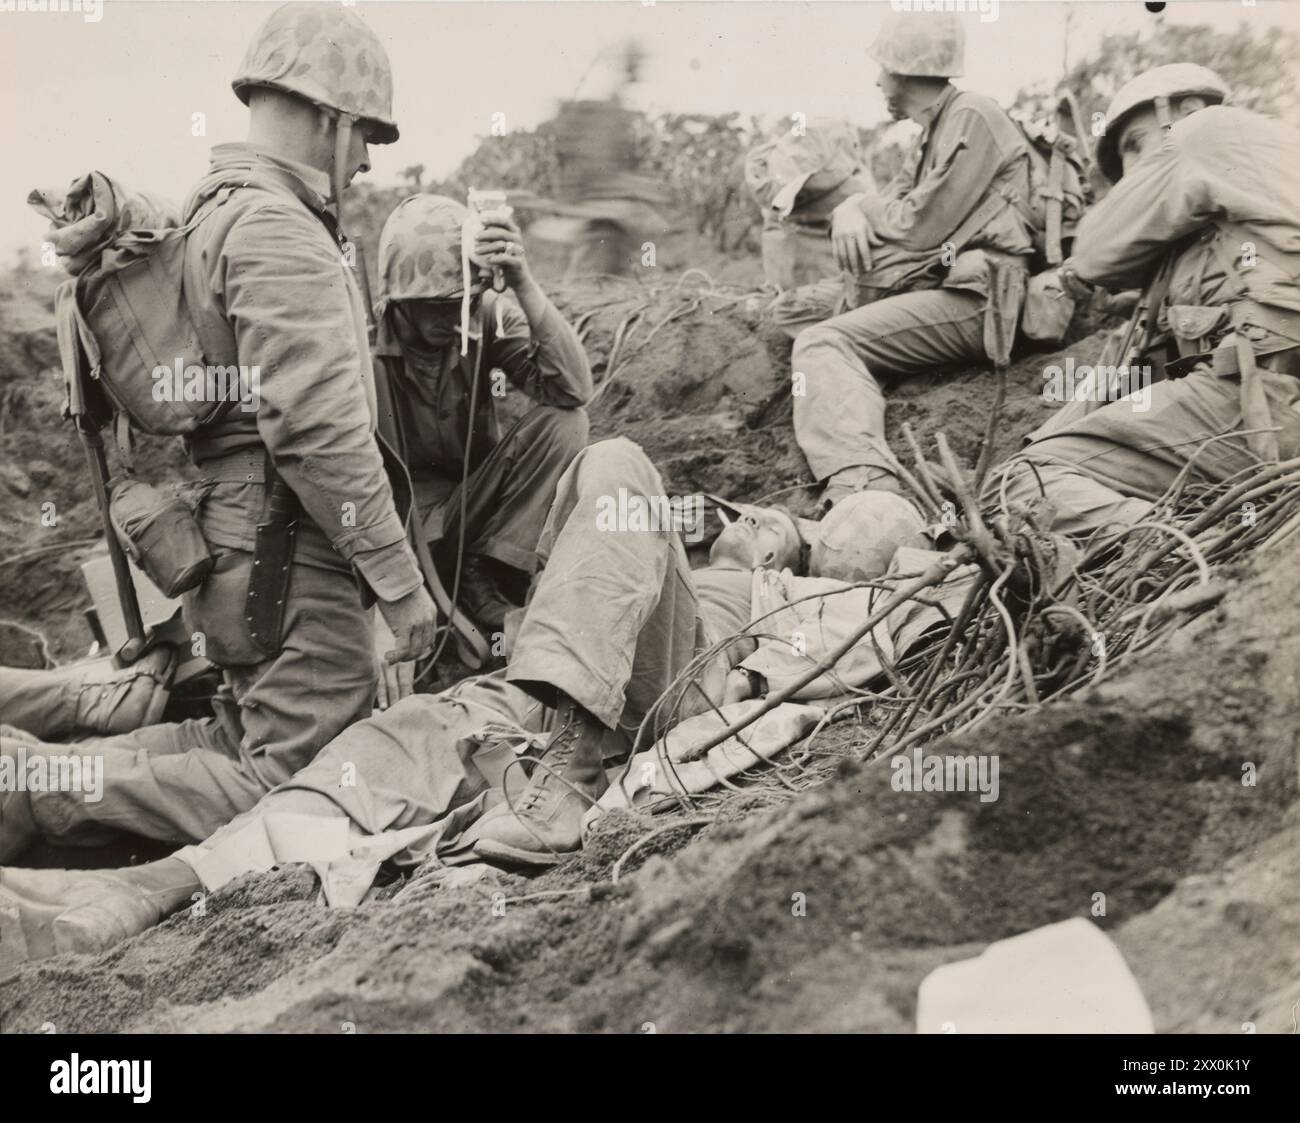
{"x": 934, "y": 574}
{"x": 1045, "y": 615}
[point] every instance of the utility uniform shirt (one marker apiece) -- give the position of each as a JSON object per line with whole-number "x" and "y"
{"x": 968, "y": 152}
{"x": 265, "y": 263}
{"x": 1219, "y": 206}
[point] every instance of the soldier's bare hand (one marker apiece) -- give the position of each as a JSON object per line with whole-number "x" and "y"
{"x": 396, "y": 680}
{"x": 500, "y": 243}
{"x": 850, "y": 237}
{"x": 412, "y": 621}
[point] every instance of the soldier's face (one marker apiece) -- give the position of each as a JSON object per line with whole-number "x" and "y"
{"x": 358, "y": 153}
{"x": 423, "y": 325}
{"x": 1140, "y": 135}
{"x": 891, "y": 85}
{"x": 764, "y": 536}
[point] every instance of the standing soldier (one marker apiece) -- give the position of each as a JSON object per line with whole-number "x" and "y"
{"x": 447, "y": 390}
{"x": 280, "y": 612}
{"x": 1205, "y": 213}
{"x": 939, "y": 254}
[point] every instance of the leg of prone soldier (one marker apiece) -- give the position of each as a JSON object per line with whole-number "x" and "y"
{"x": 613, "y": 620}
{"x": 86, "y": 699}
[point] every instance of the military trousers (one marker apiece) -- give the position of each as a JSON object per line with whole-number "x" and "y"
{"x": 839, "y": 405}
{"x": 508, "y": 494}
{"x": 178, "y": 782}
{"x": 613, "y": 620}
{"x": 1102, "y": 465}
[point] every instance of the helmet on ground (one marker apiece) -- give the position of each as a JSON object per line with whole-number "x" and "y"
{"x": 1173, "y": 81}
{"x": 858, "y": 538}
{"x": 327, "y": 55}
{"x": 419, "y": 250}
{"x": 921, "y": 45}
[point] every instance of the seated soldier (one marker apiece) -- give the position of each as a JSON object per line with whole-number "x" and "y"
{"x": 1205, "y": 212}
{"x": 442, "y": 367}
{"x": 941, "y": 256}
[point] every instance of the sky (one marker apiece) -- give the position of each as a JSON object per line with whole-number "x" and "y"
{"x": 121, "y": 93}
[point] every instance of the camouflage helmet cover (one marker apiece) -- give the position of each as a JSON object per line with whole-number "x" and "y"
{"x": 921, "y": 44}
{"x": 1175, "y": 80}
{"x": 815, "y": 162}
{"x": 327, "y": 55}
{"x": 419, "y": 250}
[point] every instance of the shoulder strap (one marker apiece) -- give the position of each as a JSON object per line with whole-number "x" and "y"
{"x": 980, "y": 217}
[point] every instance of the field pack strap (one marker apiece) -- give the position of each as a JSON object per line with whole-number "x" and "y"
{"x": 1255, "y": 412}
{"x": 1055, "y": 195}
{"x": 980, "y": 217}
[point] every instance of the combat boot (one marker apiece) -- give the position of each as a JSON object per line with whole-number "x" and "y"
{"x": 544, "y": 825}
{"x": 51, "y": 912}
{"x": 481, "y": 595}
{"x": 122, "y": 701}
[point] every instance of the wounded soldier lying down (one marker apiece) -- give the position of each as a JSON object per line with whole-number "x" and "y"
{"x": 615, "y": 616}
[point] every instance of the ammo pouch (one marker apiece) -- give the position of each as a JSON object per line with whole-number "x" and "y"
{"x": 1048, "y": 309}
{"x": 161, "y": 535}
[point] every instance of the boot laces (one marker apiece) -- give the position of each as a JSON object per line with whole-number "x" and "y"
{"x": 555, "y": 758}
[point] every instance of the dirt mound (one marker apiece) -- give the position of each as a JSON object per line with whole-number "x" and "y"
{"x": 702, "y": 382}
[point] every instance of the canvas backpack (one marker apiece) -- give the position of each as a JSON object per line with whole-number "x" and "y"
{"x": 1058, "y": 186}
{"x": 124, "y": 320}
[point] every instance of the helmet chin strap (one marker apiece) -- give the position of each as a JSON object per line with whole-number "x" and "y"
{"x": 339, "y": 173}
{"x": 1165, "y": 117}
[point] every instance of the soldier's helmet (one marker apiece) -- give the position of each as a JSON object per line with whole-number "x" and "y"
{"x": 921, "y": 45}
{"x": 1173, "y": 81}
{"x": 327, "y": 55}
{"x": 816, "y": 162}
{"x": 419, "y": 251}
{"x": 858, "y": 538}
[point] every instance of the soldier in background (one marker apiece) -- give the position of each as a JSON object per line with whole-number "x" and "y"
{"x": 798, "y": 179}
{"x": 940, "y": 255}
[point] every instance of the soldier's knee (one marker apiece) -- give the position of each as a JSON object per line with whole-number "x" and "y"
{"x": 567, "y": 429}
{"x": 812, "y": 338}
{"x": 617, "y": 462}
